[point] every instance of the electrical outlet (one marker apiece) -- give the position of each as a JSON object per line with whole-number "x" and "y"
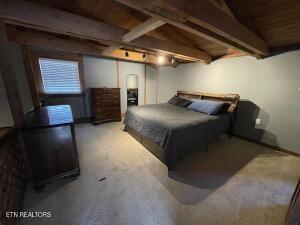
{"x": 257, "y": 121}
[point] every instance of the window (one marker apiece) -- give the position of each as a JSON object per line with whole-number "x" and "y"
{"x": 57, "y": 74}
{"x": 60, "y": 76}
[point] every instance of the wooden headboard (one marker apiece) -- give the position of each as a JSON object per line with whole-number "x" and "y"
{"x": 232, "y": 99}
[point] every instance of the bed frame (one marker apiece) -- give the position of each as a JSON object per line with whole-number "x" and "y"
{"x": 232, "y": 99}
{"x": 155, "y": 149}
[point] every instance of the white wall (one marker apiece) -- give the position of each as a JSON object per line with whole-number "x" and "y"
{"x": 100, "y": 72}
{"x": 132, "y": 81}
{"x": 151, "y": 84}
{"x": 268, "y": 88}
{"x": 167, "y": 83}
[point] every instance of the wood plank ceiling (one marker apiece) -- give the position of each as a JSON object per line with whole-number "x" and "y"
{"x": 120, "y": 15}
{"x": 277, "y": 22}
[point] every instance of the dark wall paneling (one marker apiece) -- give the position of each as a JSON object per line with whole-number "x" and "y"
{"x": 13, "y": 174}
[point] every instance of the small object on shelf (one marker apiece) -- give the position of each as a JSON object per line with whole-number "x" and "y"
{"x": 105, "y": 105}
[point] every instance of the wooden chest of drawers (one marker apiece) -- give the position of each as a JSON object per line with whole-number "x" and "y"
{"x": 105, "y": 105}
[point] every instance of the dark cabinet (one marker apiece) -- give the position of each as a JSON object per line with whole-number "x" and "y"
{"x": 132, "y": 97}
{"x": 49, "y": 141}
{"x": 105, "y": 105}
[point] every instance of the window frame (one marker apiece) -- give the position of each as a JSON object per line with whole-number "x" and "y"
{"x": 35, "y": 55}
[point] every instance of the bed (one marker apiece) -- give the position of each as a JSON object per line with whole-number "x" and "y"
{"x": 171, "y": 131}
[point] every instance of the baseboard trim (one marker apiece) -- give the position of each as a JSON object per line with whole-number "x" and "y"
{"x": 273, "y": 147}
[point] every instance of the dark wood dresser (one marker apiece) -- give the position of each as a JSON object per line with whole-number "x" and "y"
{"x": 49, "y": 140}
{"x": 105, "y": 105}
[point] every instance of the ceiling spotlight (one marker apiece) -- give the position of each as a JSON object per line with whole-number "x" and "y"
{"x": 161, "y": 59}
{"x": 172, "y": 60}
{"x": 126, "y": 54}
{"x": 144, "y": 56}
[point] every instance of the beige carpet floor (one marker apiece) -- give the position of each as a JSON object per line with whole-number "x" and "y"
{"x": 235, "y": 183}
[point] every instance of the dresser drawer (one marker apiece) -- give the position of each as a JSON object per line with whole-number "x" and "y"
{"x": 106, "y": 91}
{"x": 107, "y": 109}
{"x": 107, "y": 116}
{"x": 107, "y": 102}
{"x": 106, "y": 96}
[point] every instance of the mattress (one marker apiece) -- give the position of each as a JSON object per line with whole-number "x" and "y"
{"x": 175, "y": 129}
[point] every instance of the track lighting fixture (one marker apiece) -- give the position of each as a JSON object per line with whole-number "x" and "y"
{"x": 126, "y": 54}
{"x": 171, "y": 60}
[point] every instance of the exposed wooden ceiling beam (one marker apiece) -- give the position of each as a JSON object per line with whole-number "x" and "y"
{"x": 203, "y": 19}
{"x": 238, "y": 10}
{"x": 29, "y": 14}
{"x": 218, "y": 22}
{"x": 232, "y": 55}
{"x": 222, "y": 5}
{"x": 111, "y": 48}
{"x": 52, "y": 42}
{"x": 166, "y": 32}
{"x": 151, "y": 24}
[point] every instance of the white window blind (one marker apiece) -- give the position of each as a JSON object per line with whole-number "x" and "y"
{"x": 60, "y": 76}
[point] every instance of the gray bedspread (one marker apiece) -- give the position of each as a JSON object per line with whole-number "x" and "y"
{"x": 176, "y": 129}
